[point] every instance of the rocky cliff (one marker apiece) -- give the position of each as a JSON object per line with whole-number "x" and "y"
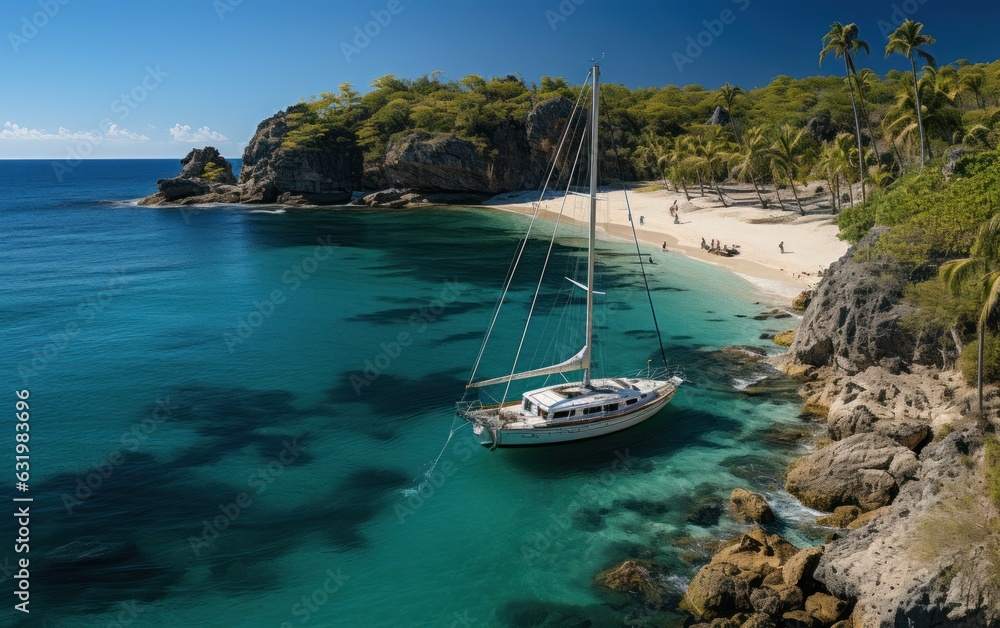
{"x": 902, "y": 463}
{"x": 325, "y": 173}
{"x": 418, "y": 167}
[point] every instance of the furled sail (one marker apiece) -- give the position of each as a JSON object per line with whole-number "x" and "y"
{"x": 578, "y": 362}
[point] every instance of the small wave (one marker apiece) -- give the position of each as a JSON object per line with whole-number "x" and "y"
{"x": 741, "y": 383}
{"x": 127, "y": 203}
{"x": 266, "y": 211}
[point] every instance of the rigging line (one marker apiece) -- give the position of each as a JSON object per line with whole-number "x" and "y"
{"x": 517, "y": 258}
{"x": 635, "y": 238}
{"x": 541, "y": 276}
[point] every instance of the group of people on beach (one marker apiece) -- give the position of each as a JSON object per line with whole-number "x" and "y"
{"x": 716, "y": 246}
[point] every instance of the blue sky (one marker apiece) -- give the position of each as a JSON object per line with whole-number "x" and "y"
{"x": 115, "y": 78}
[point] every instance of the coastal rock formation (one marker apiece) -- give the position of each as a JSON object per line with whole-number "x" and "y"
{"x": 206, "y": 163}
{"x": 442, "y": 164}
{"x": 206, "y": 177}
{"x": 930, "y": 558}
{"x": 821, "y": 127}
{"x": 520, "y": 155}
{"x": 750, "y": 507}
{"x": 863, "y": 470}
{"x": 762, "y": 580}
{"x": 853, "y": 321}
{"x": 324, "y": 173}
{"x": 639, "y": 578}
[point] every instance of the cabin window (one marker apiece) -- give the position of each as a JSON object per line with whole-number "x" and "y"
{"x": 593, "y": 410}
{"x": 562, "y": 414}
{"x": 611, "y": 408}
{"x": 629, "y": 402}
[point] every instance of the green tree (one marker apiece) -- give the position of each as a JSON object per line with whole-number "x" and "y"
{"x": 751, "y": 160}
{"x": 842, "y": 42}
{"x": 728, "y": 94}
{"x": 983, "y": 271}
{"x": 974, "y": 82}
{"x": 786, "y": 154}
{"x": 908, "y": 41}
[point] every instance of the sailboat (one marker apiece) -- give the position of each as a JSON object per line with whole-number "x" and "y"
{"x": 570, "y": 410}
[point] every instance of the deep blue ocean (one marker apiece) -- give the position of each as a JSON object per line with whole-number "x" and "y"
{"x": 232, "y": 411}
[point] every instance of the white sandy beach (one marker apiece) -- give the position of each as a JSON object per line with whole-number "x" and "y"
{"x": 811, "y": 242}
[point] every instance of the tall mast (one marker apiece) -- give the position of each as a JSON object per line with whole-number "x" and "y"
{"x": 593, "y": 222}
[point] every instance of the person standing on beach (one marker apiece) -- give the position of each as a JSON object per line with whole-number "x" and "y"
{"x": 781, "y": 247}
{"x": 677, "y": 217}
{"x": 664, "y": 247}
{"x": 673, "y": 208}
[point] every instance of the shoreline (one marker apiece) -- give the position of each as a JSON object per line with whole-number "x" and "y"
{"x": 777, "y": 275}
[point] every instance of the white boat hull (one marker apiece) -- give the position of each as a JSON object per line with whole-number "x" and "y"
{"x": 521, "y": 437}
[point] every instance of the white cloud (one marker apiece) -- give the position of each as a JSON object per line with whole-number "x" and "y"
{"x": 12, "y": 131}
{"x": 182, "y": 133}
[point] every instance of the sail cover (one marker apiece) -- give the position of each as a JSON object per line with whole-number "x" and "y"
{"x": 578, "y": 362}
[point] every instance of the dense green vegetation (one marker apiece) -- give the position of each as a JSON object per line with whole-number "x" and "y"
{"x": 211, "y": 171}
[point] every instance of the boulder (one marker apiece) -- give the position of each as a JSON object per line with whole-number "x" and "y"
{"x": 860, "y": 420}
{"x": 759, "y": 620}
{"x": 722, "y": 588}
{"x": 798, "y": 619}
{"x": 853, "y": 321}
{"x": 953, "y": 156}
{"x": 393, "y": 198}
{"x": 720, "y": 117}
{"x": 750, "y": 507}
{"x": 864, "y": 470}
{"x": 323, "y": 171}
{"x": 841, "y": 518}
{"x": 802, "y": 301}
{"x": 639, "y": 578}
{"x": 800, "y": 567}
{"x": 825, "y": 608}
{"x": 785, "y": 338}
{"x": 766, "y": 600}
{"x": 176, "y": 188}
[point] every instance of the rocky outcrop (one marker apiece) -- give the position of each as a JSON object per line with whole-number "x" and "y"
{"x": 638, "y": 578}
{"x": 761, "y": 580}
{"x": 441, "y": 164}
{"x": 928, "y": 559}
{"x": 750, "y": 507}
{"x": 720, "y": 117}
{"x": 325, "y": 172}
{"x": 206, "y": 177}
{"x": 864, "y": 470}
{"x": 517, "y": 158}
{"x": 853, "y": 321}
{"x": 206, "y": 163}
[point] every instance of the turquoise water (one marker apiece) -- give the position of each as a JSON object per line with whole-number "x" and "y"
{"x": 233, "y": 409}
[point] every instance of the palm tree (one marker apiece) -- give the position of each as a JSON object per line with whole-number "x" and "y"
{"x": 862, "y": 80}
{"x": 842, "y": 41}
{"x": 835, "y": 163}
{"x": 728, "y": 93}
{"x": 709, "y": 156}
{"x": 907, "y": 40}
{"x": 672, "y": 158}
{"x": 982, "y": 270}
{"x": 752, "y": 157}
{"x": 974, "y": 81}
{"x": 786, "y": 155}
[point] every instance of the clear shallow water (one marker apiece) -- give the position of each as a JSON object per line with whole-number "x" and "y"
{"x": 261, "y": 425}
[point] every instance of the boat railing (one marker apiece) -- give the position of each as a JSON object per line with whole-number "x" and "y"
{"x": 662, "y": 372}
